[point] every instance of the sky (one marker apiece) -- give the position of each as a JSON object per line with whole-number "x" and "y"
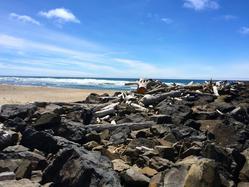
{"x": 186, "y": 39}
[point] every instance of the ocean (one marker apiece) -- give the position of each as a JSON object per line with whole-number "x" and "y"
{"x": 82, "y": 83}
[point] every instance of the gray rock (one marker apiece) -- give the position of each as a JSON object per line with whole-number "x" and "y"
{"x": 120, "y": 135}
{"x": 44, "y": 142}
{"x": 133, "y": 178}
{"x": 79, "y": 167}
{"x": 12, "y": 111}
{"x": 8, "y": 138}
{"x": 47, "y": 121}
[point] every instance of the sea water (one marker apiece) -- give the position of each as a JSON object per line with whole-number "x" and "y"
{"x": 82, "y": 83}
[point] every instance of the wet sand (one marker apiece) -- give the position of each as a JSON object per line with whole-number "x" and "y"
{"x": 10, "y": 94}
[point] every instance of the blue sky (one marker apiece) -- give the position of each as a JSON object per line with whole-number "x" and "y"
{"x": 198, "y": 39}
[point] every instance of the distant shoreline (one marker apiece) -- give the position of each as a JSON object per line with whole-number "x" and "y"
{"x": 18, "y": 94}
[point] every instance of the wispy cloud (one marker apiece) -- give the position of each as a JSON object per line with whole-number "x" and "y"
{"x": 61, "y": 15}
{"x": 24, "y": 18}
{"x": 167, "y": 20}
{"x": 244, "y": 30}
{"x": 228, "y": 17}
{"x": 201, "y": 4}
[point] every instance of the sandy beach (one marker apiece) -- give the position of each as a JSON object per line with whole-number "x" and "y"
{"x": 10, "y": 94}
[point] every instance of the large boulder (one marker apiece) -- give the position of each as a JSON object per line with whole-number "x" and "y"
{"x": 190, "y": 172}
{"x": 178, "y": 112}
{"x": 47, "y": 121}
{"x": 12, "y": 111}
{"x": 44, "y": 141}
{"x": 8, "y": 138}
{"x": 12, "y": 157}
{"x": 77, "y": 167}
{"x": 134, "y": 178}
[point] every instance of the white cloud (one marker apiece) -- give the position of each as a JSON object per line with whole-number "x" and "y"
{"x": 167, "y": 20}
{"x": 24, "y": 18}
{"x": 61, "y": 15}
{"x": 201, "y": 4}
{"x": 244, "y": 30}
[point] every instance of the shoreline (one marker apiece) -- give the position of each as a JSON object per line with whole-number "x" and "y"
{"x": 19, "y": 94}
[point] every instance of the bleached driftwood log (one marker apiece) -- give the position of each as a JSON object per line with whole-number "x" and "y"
{"x": 215, "y": 90}
{"x": 139, "y": 108}
{"x": 109, "y": 109}
{"x": 155, "y": 99}
{"x": 142, "y": 85}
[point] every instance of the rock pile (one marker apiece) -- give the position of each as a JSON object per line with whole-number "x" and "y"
{"x": 194, "y": 135}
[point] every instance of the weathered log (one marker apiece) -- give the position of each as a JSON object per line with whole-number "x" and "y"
{"x": 109, "y": 109}
{"x": 215, "y": 90}
{"x": 155, "y": 99}
{"x": 105, "y": 112}
{"x": 139, "y": 108}
{"x": 132, "y": 126}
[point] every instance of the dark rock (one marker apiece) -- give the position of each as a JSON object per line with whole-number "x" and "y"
{"x": 93, "y": 136}
{"x": 193, "y": 124}
{"x": 224, "y": 133}
{"x": 178, "y": 113}
{"x": 161, "y": 119}
{"x": 136, "y": 118}
{"x": 159, "y": 130}
{"x": 8, "y": 138}
{"x": 44, "y": 141}
{"x": 17, "y": 124}
{"x": 12, "y": 111}
{"x": 87, "y": 116}
{"x": 204, "y": 99}
{"x": 136, "y": 146}
{"x": 194, "y": 150}
{"x": 217, "y": 153}
{"x": 120, "y": 135}
{"x": 160, "y": 164}
{"x": 167, "y": 152}
{"x": 47, "y": 121}
{"x": 72, "y": 131}
{"x": 15, "y": 157}
{"x": 221, "y": 106}
{"x": 241, "y": 113}
{"x": 143, "y": 133}
{"x": 79, "y": 167}
{"x": 204, "y": 115}
{"x": 133, "y": 178}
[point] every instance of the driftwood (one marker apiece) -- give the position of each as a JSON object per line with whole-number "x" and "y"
{"x": 215, "y": 90}
{"x": 109, "y": 109}
{"x": 139, "y": 108}
{"x": 155, "y": 99}
{"x": 132, "y": 126}
{"x": 142, "y": 85}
